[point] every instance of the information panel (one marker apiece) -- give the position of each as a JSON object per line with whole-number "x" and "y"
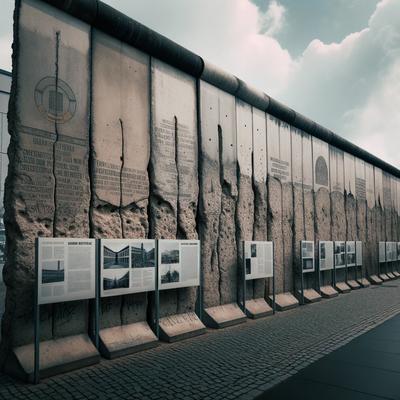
{"x": 307, "y": 256}
{"x": 391, "y": 251}
{"x": 340, "y": 254}
{"x": 382, "y": 252}
{"x": 178, "y": 263}
{"x": 398, "y": 251}
{"x": 325, "y": 255}
{"x": 351, "y": 254}
{"x": 127, "y": 266}
{"x": 259, "y": 259}
{"x": 359, "y": 253}
{"x": 66, "y": 269}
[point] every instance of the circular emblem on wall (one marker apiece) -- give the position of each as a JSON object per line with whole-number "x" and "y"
{"x": 55, "y": 103}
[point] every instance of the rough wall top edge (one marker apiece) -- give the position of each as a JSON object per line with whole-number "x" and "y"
{"x": 114, "y": 23}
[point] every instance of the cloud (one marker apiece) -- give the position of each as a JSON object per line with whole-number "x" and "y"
{"x": 350, "y": 86}
{"x": 271, "y": 22}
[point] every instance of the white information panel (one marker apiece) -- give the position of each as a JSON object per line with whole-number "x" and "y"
{"x": 307, "y": 256}
{"x": 340, "y": 254}
{"x": 325, "y": 255}
{"x": 351, "y": 254}
{"x": 382, "y": 252}
{"x": 259, "y": 259}
{"x": 66, "y": 269}
{"x": 398, "y": 251}
{"x": 178, "y": 263}
{"x": 127, "y": 266}
{"x": 359, "y": 253}
{"x": 391, "y": 251}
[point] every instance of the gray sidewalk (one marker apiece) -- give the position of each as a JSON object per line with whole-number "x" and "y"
{"x": 366, "y": 368}
{"x": 235, "y": 363}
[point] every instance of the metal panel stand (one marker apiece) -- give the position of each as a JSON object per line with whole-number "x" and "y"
{"x": 244, "y": 278}
{"x": 36, "y": 368}
{"x": 157, "y": 296}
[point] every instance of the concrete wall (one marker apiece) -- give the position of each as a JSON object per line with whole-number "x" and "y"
{"x": 138, "y": 148}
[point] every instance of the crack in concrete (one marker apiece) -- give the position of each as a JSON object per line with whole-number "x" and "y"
{"x": 222, "y": 183}
{"x": 120, "y": 177}
{"x": 56, "y": 65}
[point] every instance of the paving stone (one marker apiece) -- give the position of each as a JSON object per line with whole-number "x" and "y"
{"x": 234, "y": 363}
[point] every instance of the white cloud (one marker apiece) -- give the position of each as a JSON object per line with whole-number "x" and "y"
{"x": 376, "y": 125}
{"x": 352, "y": 87}
{"x": 273, "y": 19}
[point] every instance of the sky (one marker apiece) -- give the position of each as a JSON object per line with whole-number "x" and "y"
{"x": 335, "y": 61}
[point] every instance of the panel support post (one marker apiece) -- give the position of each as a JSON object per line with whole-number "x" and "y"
{"x": 157, "y": 296}
{"x": 36, "y": 368}
{"x": 97, "y": 298}
{"x": 244, "y": 278}
{"x": 273, "y": 279}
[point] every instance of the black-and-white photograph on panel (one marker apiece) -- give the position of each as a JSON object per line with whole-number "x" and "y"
{"x": 259, "y": 259}
{"x": 359, "y": 253}
{"x": 351, "y": 254}
{"x": 127, "y": 266}
{"x": 66, "y": 269}
{"x": 340, "y": 254}
{"x": 325, "y": 255}
{"x": 178, "y": 263}
{"x": 382, "y": 252}
{"x": 307, "y": 256}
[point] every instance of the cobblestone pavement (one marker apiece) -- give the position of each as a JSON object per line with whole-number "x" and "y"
{"x": 235, "y": 363}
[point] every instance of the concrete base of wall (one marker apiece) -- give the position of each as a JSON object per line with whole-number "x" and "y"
{"x": 180, "y": 326}
{"x": 396, "y": 274}
{"x": 257, "y": 308}
{"x": 311, "y": 296}
{"x": 328, "y": 292}
{"x": 285, "y": 301}
{"x": 126, "y": 339}
{"x": 375, "y": 280}
{"x": 353, "y": 284}
{"x": 391, "y": 275}
{"x": 364, "y": 282}
{"x": 384, "y": 277}
{"x": 342, "y": 287}
{"x": 222, "y": 316}
{"x": 56, "y": 357}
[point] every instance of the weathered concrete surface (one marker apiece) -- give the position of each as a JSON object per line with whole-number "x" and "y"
{"x": 227, "y": 248}
{"x": 311, "y": 296}
{"x": 56, "y": 357}
{"x": 258, "y": 308}
{"x": 260, "y": 231}
{"x": 363, "y": 282}
{"x": 224, "y": 315}
{"x": 180, "y": 326}
{"x": 126, "y": 339}
{"x": 210, "y": 191}
{"x": 277, "y": 173}
{"x": 285, "y": 301}
{"x": 328, "y": 292}
{"x": 244, "y": 218}
{"x": 218, "y": 193}
{"x": 47, "y": 189}
{"x": 121, "y": 151}
{"x": 342, "y": 287}
{"x": 322, "y": 201}
{"x": 173, "y": 169}
{"x": 353, "y": 284}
